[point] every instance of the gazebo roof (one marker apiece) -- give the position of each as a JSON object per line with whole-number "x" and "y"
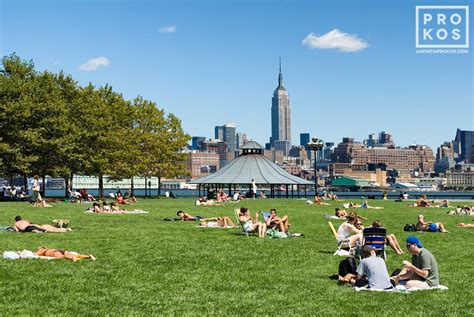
{"x": 252, "y": 164}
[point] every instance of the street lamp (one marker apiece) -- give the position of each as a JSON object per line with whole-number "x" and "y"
{"x": 315, "y": 145}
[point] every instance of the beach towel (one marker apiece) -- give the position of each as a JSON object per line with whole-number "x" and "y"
{"x": 401, "y": 289}
{"x": 7, "y": 229}
{"x": 25, "y": 254}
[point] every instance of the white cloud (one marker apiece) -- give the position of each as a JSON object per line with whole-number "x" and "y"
{"x": 94, "y": 63}
{"x": 168, "y": 29}
{"x": 335, "y": 39}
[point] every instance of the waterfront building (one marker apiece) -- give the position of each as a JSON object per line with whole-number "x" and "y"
{"x": 460, "y": 179}
{"x": 202, "y": 163}
{"x": 281, "y": 118}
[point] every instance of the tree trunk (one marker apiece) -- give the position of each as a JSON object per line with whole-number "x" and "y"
{"x": 132, "y": 187}
{"x": 25, "y": 184}
{"x": 159, "y": 186}
{"x": 146, "y": 193}
{"x": 66, "y": 183}
{"x": 43, "y": 186}
{"x": 71, "y": 178}
{"x": 101, "y": 186}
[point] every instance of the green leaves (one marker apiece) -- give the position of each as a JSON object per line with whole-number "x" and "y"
{"x": 50, "y": 125}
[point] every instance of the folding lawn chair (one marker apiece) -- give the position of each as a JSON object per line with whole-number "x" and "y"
{"x": 375, "y": 237}
{"x": 241, "y": 223}
{"x": 343, "y": 244}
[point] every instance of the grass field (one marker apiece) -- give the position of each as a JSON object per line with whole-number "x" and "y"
{"x": 148, "y": 266}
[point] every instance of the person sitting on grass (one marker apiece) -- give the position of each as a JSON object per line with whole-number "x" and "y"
{"x": 121, "y": 200}
{"x": 390, "y": 239}
{"x": 422, "y": 202}
{"x": 318, "y": 201}
{"x": 26, "y": 226}
{"x": 340, "y": 213}
{"x": 371, "y": 272}
{"x": 348, "y": 230}
{"x": 275, "y": 222}
{"x": 219, "y": 222}
{"x": 423, "y": 225}
{"x": 465, "y": 225}
{"x": 184, "y": 216}
{"x": 63, "y": 254}
{"x": 252, "y": 225}
{"x": 422, "y": 272}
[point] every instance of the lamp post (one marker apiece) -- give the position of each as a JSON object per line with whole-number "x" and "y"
{"x": 315, "y": 145}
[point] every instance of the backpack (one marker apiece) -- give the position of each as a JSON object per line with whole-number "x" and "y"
{"x": 409, "y": 227}
{"x": 346, "y": 266}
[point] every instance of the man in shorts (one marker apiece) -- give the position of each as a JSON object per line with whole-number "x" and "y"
{"x": 26, "y": 226}
{"x": 422, "y": 272}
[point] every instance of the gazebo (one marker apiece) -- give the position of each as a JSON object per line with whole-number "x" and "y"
{"x": 252, "y": 164}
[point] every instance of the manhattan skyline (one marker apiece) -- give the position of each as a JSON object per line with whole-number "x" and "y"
{"x": 351, "y": 68}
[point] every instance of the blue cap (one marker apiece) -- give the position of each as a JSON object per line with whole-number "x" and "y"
{"x": 414, "y": 240}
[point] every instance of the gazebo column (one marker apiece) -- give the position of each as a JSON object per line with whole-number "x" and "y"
{"x": 292, "y": 194}
{"x": 298, "y": 189}
{"x": 286, "y": 190}
{"x": 230, "y": 190}
{"x": 199, "y": 190}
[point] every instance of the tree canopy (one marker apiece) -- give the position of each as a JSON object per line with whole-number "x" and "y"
{"x": 50, "y": 125}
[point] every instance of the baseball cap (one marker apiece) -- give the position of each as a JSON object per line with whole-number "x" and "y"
{"x": 414, "y": 240}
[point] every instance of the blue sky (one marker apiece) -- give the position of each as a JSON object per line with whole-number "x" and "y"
{"x": 213, "y": 62}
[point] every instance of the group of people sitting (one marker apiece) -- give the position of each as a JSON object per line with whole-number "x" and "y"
{"x": 13, "y": 193}
{"x": 270, "y": 221}
{"x": 462, "y": 211}
{"x": 422, "y": 272}
{"x": 106, "y": 208}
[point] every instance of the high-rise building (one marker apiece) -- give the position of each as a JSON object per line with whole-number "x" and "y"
{"x": 464, "y": 146}
{"x": 281, "y": 118}
{"x": 304, "y": 139}
{"x": 226, "y": 133}
{"x": 196, "y": 142}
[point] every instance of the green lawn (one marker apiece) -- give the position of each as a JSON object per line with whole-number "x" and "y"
{"x": 148, "y": 266}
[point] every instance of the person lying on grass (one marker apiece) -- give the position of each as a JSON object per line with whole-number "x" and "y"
{"x": 364, "y": 204}
{"x": 430, "y": 226}
{"x": 251, "y": 225}
{"x": 221, "y": 222}
{"x": 465, "y": 225}
{"x": 390, "y": 239}
{"x": 371, "y": 272}
{"x": 26, "y": 226}
{"x": 63, "y": 254}
{"x": 106, "y": 209}
{"x": 184, "y": 216}
{"x": 275, "y": 222}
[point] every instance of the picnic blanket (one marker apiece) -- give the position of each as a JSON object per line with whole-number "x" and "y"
{"x": 25, "y": 254}
{"x": 401, "y": 289}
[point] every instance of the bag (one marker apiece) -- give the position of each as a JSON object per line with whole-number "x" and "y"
{"x": 409, "y": 227}
{"x": 36, "y": 188}
{"x": 346, "y": 266}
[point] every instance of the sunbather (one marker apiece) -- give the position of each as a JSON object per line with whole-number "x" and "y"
{"x": 275, "y": 222}
{"x": 340, "y": 213}
{"x": 430, "y": 226}
{"x": 63, "y": 254}
{"x": 422, "y": 202}
{"x": 465, "y": 225}
{"x": 390, "y": 239}
{"x": 184, "y": 216}
{"x": 222, "y": 222}
{"x": 251, "y": 225}
{"x": 348, "y": 230}
{"x": 26, "y": 226}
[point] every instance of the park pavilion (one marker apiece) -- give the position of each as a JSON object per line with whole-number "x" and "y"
{"x": 253, "y": 165}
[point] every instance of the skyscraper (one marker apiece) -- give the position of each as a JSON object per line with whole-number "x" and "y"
{"x": 227, "y": 134}
{"x": 281, "y": 118}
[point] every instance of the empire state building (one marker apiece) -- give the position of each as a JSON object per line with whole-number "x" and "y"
{"x": 281, "y": 118}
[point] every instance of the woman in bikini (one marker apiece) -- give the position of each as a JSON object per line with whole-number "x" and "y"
{"x": 63, "y": 254}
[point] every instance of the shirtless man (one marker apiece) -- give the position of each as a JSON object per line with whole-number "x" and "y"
{"x": 26, "y": 226}
{"x": 185, "y": 216}
{"x": 273, "y": 221}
